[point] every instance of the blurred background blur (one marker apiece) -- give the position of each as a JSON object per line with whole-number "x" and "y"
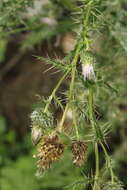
{"x": 30, "y": 28}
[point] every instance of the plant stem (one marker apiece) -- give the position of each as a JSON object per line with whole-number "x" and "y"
{"x": 85, "y": 23}
{"x": 54, "y": 91}
{"x": 95, "y": 187}
{"x": 87, "y": 14}
{"x": 74, "y": 62}
{"x": 90, "y": 96}
{"x": 75, "y": 125}
{"x": 109, "y": 162}
{"x": 90, "y": 104}
{"x": 71, "y": 94}
{"x": 63, "y": 118}
{"x": 77, "y": 53}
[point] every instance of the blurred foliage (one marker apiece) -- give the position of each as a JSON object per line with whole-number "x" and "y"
{"x": 21, "y": 175}
{"x": 29, "y": 18}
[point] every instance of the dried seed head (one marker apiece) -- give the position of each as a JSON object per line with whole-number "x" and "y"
{"x": 49, "y": 151}
{"x": 36, "y": 133}
{"x": 79, "y": 151}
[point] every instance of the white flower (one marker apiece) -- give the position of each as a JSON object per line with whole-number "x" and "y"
{"x": 36, "y": 134}
{"x": 88, "y": 72}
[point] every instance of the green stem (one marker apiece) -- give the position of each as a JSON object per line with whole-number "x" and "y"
{"x": 75, "y": 124}
{"x": 90, "y": 97}
{"x": 87, "y": 14}
{"x": 96, "y": 187}
{"x": 90, "y": 104}
{"x": 90, "y": 101}
{"x": 109, "y": 162}
{"x": 63, "y": 118}
{"x": 54, "y": 91}
{"x": 97, "y": 160}
{"x": 71, "y": 94}
{"x": 74, "y": 62}
{"x": 85, "y": 23}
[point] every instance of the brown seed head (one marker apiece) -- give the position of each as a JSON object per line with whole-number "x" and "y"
{"x": 79, "y": 151}
{"x": 49, "y": 151}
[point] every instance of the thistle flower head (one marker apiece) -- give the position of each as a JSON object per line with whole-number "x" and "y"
{"x": 36, "y": 133}
{"x": 41, "y": 118}
{"x": 88, "y": 72}
{"x": 79, "y": 150}
{"x": 87, "y": 61}
{"x": 49, "y": 150}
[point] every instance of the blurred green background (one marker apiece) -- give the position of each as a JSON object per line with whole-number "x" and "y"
{"x": 31, "y": 28}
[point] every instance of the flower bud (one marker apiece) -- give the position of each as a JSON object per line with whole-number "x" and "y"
{"x": 87, "y": 60}
{"x": 36, "y": 134}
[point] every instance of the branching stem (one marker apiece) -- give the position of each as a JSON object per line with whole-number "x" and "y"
{"x": 54, "y": 91}
{"x": 71, "y": 90}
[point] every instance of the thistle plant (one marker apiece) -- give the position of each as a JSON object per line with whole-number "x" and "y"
{"x": 81, "y": 68}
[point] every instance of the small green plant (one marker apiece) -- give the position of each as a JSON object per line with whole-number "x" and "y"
{"x": 81, "y": 67}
